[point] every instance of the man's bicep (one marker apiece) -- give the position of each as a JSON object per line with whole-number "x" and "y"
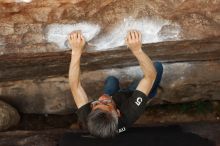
{"x": 80, "y": 96}
{"x": 145, "y": 85}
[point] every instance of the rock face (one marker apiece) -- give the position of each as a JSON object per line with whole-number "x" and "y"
{"x": 8, "y": 116}
{"x": 182, "y": 82}
{"x": 37, "y": 23}
{"x": 34, "y": 54}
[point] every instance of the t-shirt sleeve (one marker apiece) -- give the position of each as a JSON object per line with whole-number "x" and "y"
{"x": 133, "y": 108}
{"x": 82, "y": 114}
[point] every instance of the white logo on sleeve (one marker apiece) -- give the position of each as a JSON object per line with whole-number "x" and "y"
{"x": 138, "y": 101}
{"x": 121, "y": 130}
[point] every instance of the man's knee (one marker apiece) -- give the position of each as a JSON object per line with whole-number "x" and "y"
{"x": 158, "y": 65}
{"x": 112, "y": 79}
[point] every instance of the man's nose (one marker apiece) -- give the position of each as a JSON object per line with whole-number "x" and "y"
{"x": 104, "y": 97}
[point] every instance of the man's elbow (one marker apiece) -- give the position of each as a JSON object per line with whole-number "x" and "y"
{"x": 74, "y": 85}
{"x": 151, "y": 76}
{"x": 154, "y": 75}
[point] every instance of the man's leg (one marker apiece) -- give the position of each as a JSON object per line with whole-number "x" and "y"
{"x": 159, "y": 68}
{"x": 111, "y": 85}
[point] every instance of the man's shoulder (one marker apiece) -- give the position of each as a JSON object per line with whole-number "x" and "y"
{"x": 82, "y": 114}
{"x": 85, "y": 108}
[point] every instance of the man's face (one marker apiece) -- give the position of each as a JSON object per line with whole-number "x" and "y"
{"x": 105, "y": 103}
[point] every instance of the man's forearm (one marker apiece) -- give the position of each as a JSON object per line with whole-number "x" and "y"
{"x": 78, "y": 92}
{"x": 146, "y": 64}
{"x": 133, "y": 41}
{"x": 74, "y": 70}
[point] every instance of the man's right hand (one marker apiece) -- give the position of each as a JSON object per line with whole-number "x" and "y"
{"x": 76, "y": 41}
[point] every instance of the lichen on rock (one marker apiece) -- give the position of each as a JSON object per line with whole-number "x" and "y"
{"x": 9, "y": 116}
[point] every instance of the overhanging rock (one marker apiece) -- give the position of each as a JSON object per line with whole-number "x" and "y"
{"x": 182, "y": 82}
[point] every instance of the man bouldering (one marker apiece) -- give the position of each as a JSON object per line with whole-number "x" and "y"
{"x": 117, "y": 109}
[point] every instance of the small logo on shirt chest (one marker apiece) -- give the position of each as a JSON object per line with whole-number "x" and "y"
{"x": 138, "y": 101}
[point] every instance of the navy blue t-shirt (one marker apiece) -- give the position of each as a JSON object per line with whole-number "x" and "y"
{"x": 131, "y": 105}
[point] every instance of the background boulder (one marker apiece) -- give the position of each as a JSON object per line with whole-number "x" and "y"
{"x": 8, "y": 116}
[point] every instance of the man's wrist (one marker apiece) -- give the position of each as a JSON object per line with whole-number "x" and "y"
{"x": 76, "y": 53}
{"x": 77, "y": 50}
{"x": 137, "y": 51}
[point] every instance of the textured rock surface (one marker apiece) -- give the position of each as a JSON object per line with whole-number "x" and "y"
{"x": 32, "y": 138}
{"x": 166, "y": 20}
{"x": 33, "y": 65}
{"x": 9, "y": 116}
{"x": 182, "y": 82}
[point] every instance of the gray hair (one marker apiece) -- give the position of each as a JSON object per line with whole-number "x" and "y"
{"x": 102, "y": 123}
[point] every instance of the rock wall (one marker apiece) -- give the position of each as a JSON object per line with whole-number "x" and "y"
{"x": 9, "y": 117}
{"x": 42, "y": 25}
{"x": 34, "y": 53}
{"x": 182, "y": 82}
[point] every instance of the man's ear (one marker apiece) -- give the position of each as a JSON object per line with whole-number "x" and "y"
{"x": 118, "y": 113}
